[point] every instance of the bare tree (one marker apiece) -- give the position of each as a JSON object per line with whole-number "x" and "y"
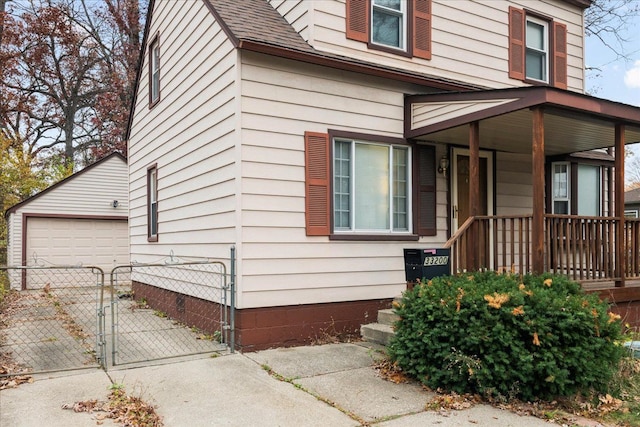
{"x": 54, "y": 80}
{"x": 610, "y": 21}
{"x": 117, "y": 27}
{"x": 68, "y": 72}
{"x": 632, "y": 172}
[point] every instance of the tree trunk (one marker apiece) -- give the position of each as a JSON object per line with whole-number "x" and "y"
{"x": 69, "y": 150}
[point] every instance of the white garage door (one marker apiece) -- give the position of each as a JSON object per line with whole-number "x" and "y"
{"x": 100, "y": 243}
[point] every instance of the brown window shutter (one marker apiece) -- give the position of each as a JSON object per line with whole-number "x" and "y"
{"x": 358, "y": 20}
{"x": 317, "y": 206}
{"x": 560, "y": 55}
{"x": 516, "y": 43}
{"x": 426, "y": 190}
{"x": 422, "y": 29}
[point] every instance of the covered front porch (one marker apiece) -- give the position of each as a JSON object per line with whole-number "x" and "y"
{"x": 549, "y": 233}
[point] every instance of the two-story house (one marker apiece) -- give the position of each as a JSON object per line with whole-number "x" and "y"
{"x": 322, "y": 138}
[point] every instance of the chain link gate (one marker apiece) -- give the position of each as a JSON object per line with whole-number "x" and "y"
{"x": 65, "y": 317}
{"x": 54, "y": 321}
{"x": 169, "y": 309}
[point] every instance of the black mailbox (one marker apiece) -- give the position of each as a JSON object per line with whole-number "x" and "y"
{"x": 426, "y": 263}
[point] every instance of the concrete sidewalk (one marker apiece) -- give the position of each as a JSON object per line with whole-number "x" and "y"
{"x": 328, "y": 385}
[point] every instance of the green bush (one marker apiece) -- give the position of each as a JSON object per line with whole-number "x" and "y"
{"x": 506, "y": 336}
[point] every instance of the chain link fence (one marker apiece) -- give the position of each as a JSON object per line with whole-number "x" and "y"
{"x": 53, "y": 322}
{"x": 71, "y": 317}
{"x": 170, "y": 309}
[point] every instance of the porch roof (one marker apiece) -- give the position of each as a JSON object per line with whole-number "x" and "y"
{"x": 572, "y": 121}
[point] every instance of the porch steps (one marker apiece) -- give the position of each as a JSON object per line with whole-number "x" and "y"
{"x": 380, "y": 332}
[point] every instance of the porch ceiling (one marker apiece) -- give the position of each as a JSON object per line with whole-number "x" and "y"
{"x": 572, "y": 121}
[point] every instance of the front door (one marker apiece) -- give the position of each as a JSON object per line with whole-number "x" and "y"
{"x": 460, "y": 189}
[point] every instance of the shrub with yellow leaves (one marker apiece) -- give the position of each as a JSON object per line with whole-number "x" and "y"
{"x": 507, "y": 335}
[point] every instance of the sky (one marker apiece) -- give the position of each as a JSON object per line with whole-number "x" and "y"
{"x": 619, "y": 80}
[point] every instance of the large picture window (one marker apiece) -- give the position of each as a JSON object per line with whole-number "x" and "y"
{"x": 576, "y": 189}
{"x": 371, "y": 187}
{"x": 364, "y": 187}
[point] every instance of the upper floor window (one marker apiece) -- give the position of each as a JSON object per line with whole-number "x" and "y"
{"x": 537, "y": 49}
{"x": 388, "y": 23}
{"x": 537, "y": 41}
{"x": 154, "y": 71}
{"x": 399, "y": 26}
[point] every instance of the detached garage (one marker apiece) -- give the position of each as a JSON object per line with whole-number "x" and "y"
{"x": 79, "y": 220}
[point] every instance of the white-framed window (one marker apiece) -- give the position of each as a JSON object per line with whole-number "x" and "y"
{"x": 389, "y": 23}
{"x": 371, "y": 187}
{"x": 632, "y": 213}
{"x": 154, "y": 71}
{"x": 537, "y": 49}
{"x": 152, "y": 203}
{"x": 589, "y": 184}
{"x": 561, "y": 188}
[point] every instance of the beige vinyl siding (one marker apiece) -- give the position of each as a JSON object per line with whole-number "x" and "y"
{"x": 430, "y": 113}
{"x": 189, "y": 134}
{"x": 89, "y": 193}
{"x": 297, "y": 13}
{"x": 470, "y": 40}
{"x": 514, "y": 184}
{"x": 280, "y": 265}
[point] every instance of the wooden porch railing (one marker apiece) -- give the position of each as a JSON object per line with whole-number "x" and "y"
{"x": 632, "y": 247}
{"x": 582, "y": 248}
{"x": 492, "y": 242}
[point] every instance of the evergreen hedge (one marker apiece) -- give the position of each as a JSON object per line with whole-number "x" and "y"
{"x": 504, "y": 335}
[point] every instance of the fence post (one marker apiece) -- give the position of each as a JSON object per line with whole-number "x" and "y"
{"x": 232, "y": 308}
{"x": 101, "y": 350}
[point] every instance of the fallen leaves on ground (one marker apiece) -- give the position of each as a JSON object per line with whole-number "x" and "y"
{"x": 452, "y": 401}
{"x": 129, "y": 411}
{"x": 12, "y": 374}
{"x": 390, "y": 371}
{"x": 13, "y": 381}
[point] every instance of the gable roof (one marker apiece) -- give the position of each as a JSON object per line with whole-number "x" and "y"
{"x": 255, "y": 25}
{"x": 62, "y": 182}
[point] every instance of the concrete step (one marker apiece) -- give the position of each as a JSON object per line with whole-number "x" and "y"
{"x": 376, "y": 332}
{"x": 387, "y": 317}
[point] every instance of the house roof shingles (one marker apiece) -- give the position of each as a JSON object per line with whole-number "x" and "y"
{"x": 632, "y": 196}
{"x": 258, "y": 21}
{"x": 256, "y": 25}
